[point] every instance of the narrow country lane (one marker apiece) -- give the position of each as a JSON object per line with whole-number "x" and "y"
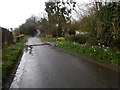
{"x": 47, "y": 67}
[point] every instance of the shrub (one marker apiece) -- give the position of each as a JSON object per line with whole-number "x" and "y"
{"x": 108, "y": 18}
{"x": 60, "y": 38}
{"x": 77, "y": 38}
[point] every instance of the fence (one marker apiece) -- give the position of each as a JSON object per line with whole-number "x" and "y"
{"x": 7, "y": 37}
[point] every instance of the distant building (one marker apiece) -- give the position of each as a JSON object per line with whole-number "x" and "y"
{"x": 78, "y": 32}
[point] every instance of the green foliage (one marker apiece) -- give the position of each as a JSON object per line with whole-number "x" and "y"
{"x": 77, "y": 38}
{"x": 16, "y": 32}
{"x": 72, "y": 28}
{"x": 89, "y": 24}
{"x": 52, "y": 39}
{"x": 71, "y": 32}
{"x": 103, "y": 25}
{"x": 58, "y": 11}
{"x": 59, "y": 14}
{"x": 28, "y": 29}
{"x": 58, "y": 32}
{"x": 102, "y": 54}
{"x": 49, "y": 39}
{"x": 45, "y": 27}
{"x": 108, "y": 18}
{"x": 9, "y": 58}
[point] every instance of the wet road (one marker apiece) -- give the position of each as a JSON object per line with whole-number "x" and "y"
{"x": 48, "y": 67}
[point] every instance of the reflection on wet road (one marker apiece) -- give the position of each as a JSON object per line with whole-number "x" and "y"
{"x": 45, "y": 66}
{"x": 28, "y": 49}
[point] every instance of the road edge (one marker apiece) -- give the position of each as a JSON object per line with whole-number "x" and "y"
{"x": 89, "y": 59}
{"x": 14, "y": 70}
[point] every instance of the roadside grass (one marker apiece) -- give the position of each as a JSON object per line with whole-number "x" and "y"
{"x": 10, "y": 56}
{"x": 102, "y": 54}
{"x": 48, "y": 39}
{"x": 52, "y": 39}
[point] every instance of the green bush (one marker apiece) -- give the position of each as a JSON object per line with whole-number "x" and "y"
{"x": 103, "y": 25}
{"x": 77, "y": 38}
{"x": 108, "y": 18}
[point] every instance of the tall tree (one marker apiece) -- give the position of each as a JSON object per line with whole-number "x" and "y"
{"x": 59, "y": 13}
{"x": 29, "y": 27}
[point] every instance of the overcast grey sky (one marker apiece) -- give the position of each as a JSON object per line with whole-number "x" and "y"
{"x": 14, "y": 12}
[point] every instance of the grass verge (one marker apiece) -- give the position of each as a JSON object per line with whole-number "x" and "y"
{"x": 10, "y": 56}
{"x": 102, "y": 54}
{"x": 106, "y": 55}
{"x": 49, "y": 39}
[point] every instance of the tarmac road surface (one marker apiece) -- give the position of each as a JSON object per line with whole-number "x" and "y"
{"x": 45, "y": 66}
